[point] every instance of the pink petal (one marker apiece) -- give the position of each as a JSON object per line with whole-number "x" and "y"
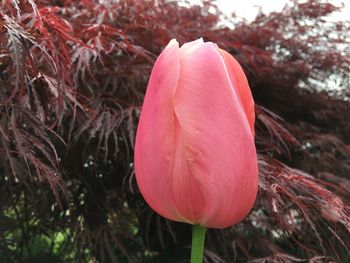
{"x": 240, "y": 84}
{"x": 154, "y": 145}
{"x": 215, "y": 169}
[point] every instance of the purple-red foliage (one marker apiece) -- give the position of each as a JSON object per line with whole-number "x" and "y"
{"x": 72, "y": 79}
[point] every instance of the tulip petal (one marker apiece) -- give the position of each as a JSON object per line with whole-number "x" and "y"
{"x": 195, "y": 158}
{"x": 218, "y": 187}
{"x": 240, "y": 83}
{"x": 187, "y": 47}
{"x": 154, "y": 145}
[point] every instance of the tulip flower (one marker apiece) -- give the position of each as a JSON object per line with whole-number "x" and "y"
{"x": 195, "y": 158}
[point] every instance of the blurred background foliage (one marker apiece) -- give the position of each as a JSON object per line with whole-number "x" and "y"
{"x": 72, "y": 79}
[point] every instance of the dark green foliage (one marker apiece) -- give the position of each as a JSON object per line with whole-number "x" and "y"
{"x": 72, "y": 79}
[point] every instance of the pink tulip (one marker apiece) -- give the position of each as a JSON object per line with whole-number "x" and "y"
{"x": 195, "y": 158}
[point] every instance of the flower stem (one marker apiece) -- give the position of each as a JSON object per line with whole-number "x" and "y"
{"x": 198, "y": 237}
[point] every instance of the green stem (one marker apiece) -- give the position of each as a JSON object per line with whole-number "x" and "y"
{"x": 198, "y": 237}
